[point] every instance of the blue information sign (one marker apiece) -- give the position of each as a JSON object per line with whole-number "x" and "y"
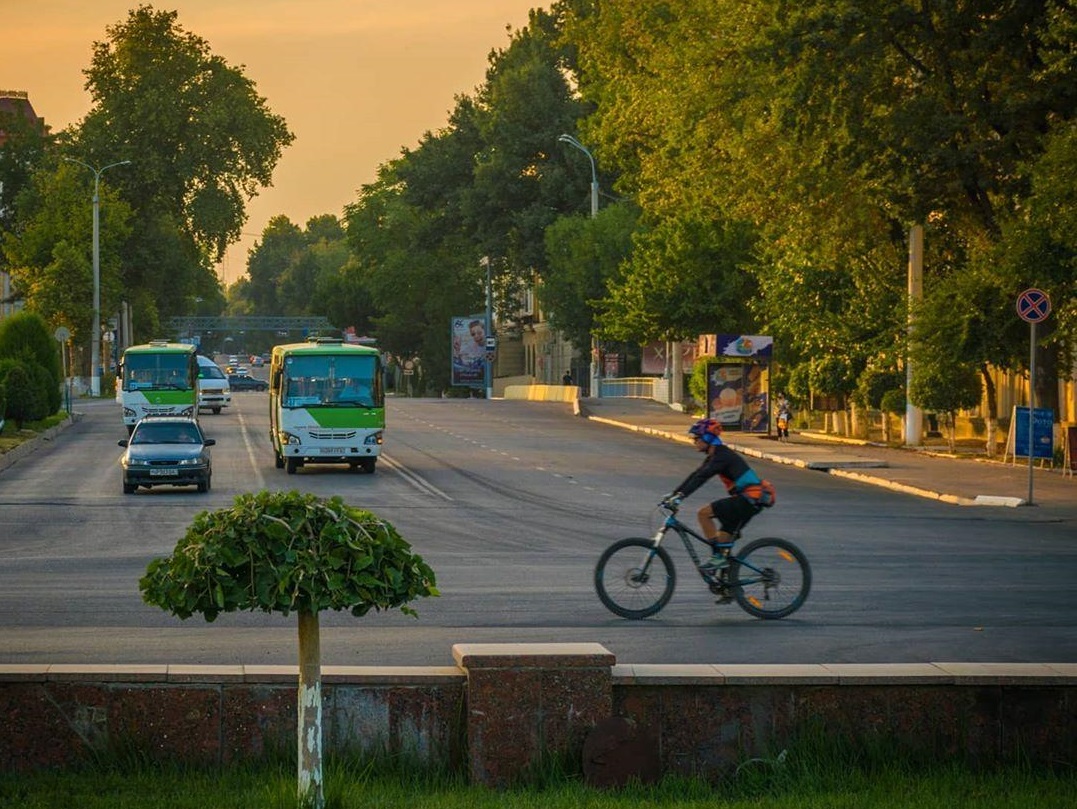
{"x": 1043, "y": 421}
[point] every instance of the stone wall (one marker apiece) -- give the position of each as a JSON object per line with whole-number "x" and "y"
{"x": 505, "y": 707}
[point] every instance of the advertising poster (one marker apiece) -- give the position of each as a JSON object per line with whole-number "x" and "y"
{"x": 468, "y": 350}
{"x": 738, "y": 396}
{"x": 1043, "y": 420}
{"x": 745, "y": 345}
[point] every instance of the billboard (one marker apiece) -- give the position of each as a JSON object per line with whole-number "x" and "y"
{"x": 469, "y": 350}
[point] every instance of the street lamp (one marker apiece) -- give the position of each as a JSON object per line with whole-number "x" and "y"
{"x": 95, "y": 330}
{"x": 596, "y": 366}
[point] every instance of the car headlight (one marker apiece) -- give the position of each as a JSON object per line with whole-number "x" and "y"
{"x": 190, "y": 461}
{"x": 187, "y": 411}
{"x": 373, "y": 438}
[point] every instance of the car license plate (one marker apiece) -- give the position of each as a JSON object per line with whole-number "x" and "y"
{"x": 160, "y": 473}
{"x": 331, "y": 451}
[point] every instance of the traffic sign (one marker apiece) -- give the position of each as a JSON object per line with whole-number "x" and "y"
{"x": 1033, "y": 305}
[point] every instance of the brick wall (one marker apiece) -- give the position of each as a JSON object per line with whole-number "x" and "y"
{"x": 506, "y": 705}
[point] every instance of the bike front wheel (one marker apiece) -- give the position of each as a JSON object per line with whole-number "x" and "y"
{"x": 770, "y": 578}
{"x": 634, "y": 578}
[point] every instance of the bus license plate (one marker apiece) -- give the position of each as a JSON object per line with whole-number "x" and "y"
{"x": 331, "y": 451}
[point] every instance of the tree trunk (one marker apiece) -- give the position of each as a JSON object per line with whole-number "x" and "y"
{"x": 310, "y": 712}
{"x": 992, "y": 410}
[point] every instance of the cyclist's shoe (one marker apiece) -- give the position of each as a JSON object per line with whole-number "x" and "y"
{"x": 718, "y": 561}
{"x": 724, "y": 598}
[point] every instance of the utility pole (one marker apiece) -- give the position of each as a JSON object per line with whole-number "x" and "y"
{"x": 95, "y": 327}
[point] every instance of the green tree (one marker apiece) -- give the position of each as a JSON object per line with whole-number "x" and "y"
{"x": 290, "y": 552}
{"x": 583, "y": 257}
{"x": 201, "y": 142}
{"x": 945, "y": 386}
{"x": 25, "y": 336}
{"x": 50, "y": 255}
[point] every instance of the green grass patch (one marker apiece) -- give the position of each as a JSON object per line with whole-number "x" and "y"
{"x": 802, "y": 780}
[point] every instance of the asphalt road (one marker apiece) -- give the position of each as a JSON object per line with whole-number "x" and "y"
{"x": 511, "y": 503}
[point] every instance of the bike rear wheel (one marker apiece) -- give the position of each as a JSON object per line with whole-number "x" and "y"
{"x": 770, "y": 578}
{"x": 634, "y": 579}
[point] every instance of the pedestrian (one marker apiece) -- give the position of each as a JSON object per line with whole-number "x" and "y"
{"x": 748, "y": 493}
{"x": 784, "y": 417}
{"x": 567, "y": 378}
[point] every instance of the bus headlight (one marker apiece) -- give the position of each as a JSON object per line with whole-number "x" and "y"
{"x": 128, "y": 413}
{"x": 373, "y": 438}
{"x": 288, "y": 438}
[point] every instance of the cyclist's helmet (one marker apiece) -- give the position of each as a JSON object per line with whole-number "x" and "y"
{"x": 707, "y": 429}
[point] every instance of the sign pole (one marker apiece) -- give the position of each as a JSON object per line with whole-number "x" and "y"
{"x": 1031, "y": 403}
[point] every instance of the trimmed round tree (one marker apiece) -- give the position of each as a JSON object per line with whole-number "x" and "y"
{"x": 290, "y": 552}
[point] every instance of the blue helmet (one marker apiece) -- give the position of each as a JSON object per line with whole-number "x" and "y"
{"x": 708, "y": 430}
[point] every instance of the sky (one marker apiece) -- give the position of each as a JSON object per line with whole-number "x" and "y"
{"x": 356, "y": 80}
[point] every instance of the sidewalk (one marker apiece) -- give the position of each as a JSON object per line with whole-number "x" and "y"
{"x": 961, "y": 481}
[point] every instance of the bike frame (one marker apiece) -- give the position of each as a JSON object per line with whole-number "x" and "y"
{"x": 671, "y": 523}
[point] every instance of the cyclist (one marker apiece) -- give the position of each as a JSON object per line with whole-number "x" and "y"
{"x": 747, "y": 492}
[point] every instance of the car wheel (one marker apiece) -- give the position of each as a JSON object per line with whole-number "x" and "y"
{"x": 129, "y": 488}
{"x": 203, "y": 485}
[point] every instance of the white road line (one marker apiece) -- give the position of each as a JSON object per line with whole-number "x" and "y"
{"x": 250, "y": 452}
{"x": 413, "y": 478}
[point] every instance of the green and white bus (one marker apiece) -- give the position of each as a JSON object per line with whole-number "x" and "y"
{"x": 157, "y": 379}
{"x": 326, "y": 404}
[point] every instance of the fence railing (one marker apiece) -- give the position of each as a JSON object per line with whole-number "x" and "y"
{"x": 632, "y": 387}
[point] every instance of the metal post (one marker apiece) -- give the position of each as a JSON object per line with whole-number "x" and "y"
{"x": 596, "y": 345}
{"x": 95, "y": 327}
{"x": 489, "y": 371}
{"x": 1031, "y": 405}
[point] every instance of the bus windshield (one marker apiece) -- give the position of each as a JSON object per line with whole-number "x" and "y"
{"x": 164, "y": 371}
{"x": 331, "y": 381}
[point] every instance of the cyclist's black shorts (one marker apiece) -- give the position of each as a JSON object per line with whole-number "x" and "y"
{"x": 733, "y": 512}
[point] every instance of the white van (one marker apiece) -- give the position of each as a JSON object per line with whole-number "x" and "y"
{"x": 214, "y": 392}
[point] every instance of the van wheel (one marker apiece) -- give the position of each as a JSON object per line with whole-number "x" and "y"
{"x": 216, "y": 411}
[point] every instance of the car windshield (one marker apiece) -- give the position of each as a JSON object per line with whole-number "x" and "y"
{"x": 149, "y": 433}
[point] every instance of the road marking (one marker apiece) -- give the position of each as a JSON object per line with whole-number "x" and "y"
{"x": 250, "y": 451}
{"x": 414, "y": 478}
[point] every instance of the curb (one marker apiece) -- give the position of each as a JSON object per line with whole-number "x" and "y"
{"x": 32, "y": 445}
{"x": 859, "y": 477}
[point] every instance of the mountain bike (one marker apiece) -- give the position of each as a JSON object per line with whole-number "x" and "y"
{"x": 768, "y": 578}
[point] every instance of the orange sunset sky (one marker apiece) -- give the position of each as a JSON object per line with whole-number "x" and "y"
{"x": 356, "y": 80}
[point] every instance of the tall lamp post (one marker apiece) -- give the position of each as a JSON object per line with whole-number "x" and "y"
{"x": 95, "y": 329}
{"x": 596, "y": 365}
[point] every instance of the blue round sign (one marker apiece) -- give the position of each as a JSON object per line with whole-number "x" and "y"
{"x": 1033, "y": 305}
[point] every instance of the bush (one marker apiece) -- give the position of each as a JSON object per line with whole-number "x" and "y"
{"x": 23, "y": 399}
{"x": 26, "y": 336}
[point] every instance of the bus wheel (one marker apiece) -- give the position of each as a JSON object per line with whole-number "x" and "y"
{"x": 368, "y": 465}
{"x": 278, "y": 461}
{"x": 293, "y": 464}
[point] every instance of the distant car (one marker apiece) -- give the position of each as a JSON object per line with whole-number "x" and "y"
{"x": 246, "y": 382}
{"x": 166, "y": 451}
{"x": 242, "y": 370}
{"x": 257, "y": 361}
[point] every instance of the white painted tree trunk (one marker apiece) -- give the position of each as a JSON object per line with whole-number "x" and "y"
{"x": 310, "y": 712}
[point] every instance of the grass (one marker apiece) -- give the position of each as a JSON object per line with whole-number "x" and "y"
{"x": 11, "y": 436}
{"x": 811, "y": 779}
